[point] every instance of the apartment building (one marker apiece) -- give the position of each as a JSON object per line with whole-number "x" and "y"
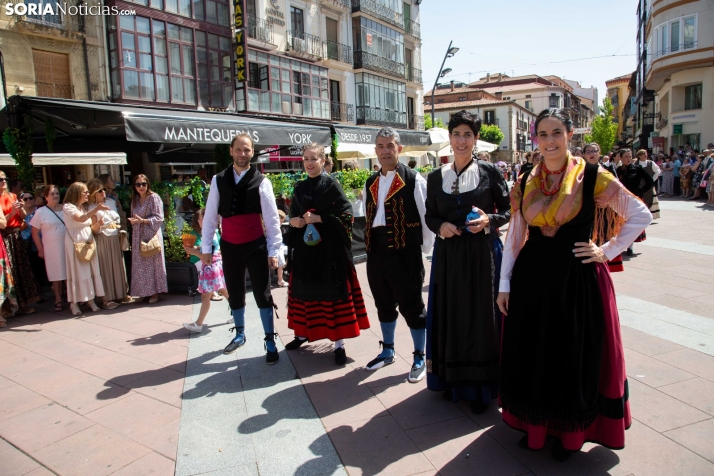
{"x": 618, "y": 92}
{"x": 678, "y": 68}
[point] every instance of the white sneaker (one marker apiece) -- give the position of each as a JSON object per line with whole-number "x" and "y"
{"x": 417, "y": 373}
{"x": 193, "y": 327}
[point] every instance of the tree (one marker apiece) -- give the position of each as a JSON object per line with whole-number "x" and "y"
{"x": 491, "y": 133}
{"x": 604, "y": 130}
{"x": 427, "y": 123}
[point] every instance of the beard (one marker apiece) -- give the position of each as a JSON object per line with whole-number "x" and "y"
{"x": 242, "y": 162}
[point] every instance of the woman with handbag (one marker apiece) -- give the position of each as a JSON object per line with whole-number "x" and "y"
{"x": 48, "y": 232}
{"x": 19, "y": 260}
{"x": 84, "y": 281}
{"x": 148, "y": 268}
{"x": 111, "y": 261}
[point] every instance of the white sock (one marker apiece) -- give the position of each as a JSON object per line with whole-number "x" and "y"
{"x": 302, "y": 338}
{"x": 339, "y": 343}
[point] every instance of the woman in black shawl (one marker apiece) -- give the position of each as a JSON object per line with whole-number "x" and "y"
{"x": 324, "y": 296}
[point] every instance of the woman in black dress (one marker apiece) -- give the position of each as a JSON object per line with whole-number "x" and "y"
{"x": 462, "y": 346}
{"x": 636, "y": 180}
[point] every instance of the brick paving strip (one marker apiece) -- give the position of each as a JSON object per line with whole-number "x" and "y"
{"x": 127, "y": 392}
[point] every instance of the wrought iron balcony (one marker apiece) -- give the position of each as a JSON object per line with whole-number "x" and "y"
{"x": 305, "y": 44}
{"x": 341, "y": 112}
{"x": 338, "y": 52}
{"x": 662, "y": 123}
{"x": 660, "y": 52}
{"x": 261, "y": 30}
{"x": 412, "y": 28}
{"x": 380, "y": 117}
{"x": 379, "y": 64}
{"x": 343, "y": 4}
{"x": 413, "y": 75}
{"x": 52, "y": 90}
{"x": 379, "y": 11}
{"x": 69, "y": 23}
{"x": 416, "y": 122}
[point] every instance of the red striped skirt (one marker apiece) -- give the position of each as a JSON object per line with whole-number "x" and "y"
{"x": 642, "y": 237}
{"x": 616, "y": 264}
{"x": 317, "y": 320}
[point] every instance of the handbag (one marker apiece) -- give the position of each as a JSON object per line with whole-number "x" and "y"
{"x": 83, "y": 251}
{"x": 147, "y": 249}
{"x": 312, "y": 236}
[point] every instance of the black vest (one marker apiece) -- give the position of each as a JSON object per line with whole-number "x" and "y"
{"x": 242, "y": 198}
{"x": 401, "y": 214}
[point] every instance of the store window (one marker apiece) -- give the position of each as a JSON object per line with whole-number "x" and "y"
{"x": 693, "y": 97}
{"x": 282, "y": 85}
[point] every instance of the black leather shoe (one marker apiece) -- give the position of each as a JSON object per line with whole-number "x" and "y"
{"x": 295, "y": 343}
{"x": 629, "y": 251}
{"x": 559, "y": 453}
{"x": 478, "y": 407}
{"x": 340, "y": 356}
{"x": 237, "y": 342}
{"x": 271, "y": 357}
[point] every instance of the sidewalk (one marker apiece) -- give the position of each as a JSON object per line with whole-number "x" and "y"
{"x": 127, "y": 392}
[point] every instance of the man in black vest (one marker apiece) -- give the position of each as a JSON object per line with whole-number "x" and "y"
{"x": 395, "y": 236}
{"x": 241, "y": 196}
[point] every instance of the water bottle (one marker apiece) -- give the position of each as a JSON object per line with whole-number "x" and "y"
{"x": 474, "y": 215}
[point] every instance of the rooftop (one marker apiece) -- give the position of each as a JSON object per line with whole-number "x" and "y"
{"x": 477, "y": 103}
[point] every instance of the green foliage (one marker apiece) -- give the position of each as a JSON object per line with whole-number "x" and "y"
{"x": 50, "y": 134}
{"x": 222, "y": 156}
{"x": 604, "y": 130}
{"x": 18, "y": 142}
{"x": 333, "y": 149}
{"x": 425, "y": 169}
{"x": 353, "y": 181}
{"x": 427, "y": 122}
{"x": 284, "y": 183}
{"x": 491, "y": 133}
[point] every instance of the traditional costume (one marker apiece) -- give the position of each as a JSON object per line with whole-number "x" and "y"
{"x": 650, "y": 196}
{"x": 242, "y": 199}
{"x": 324, "y": 295}
{"x": 638, "y": 182}
{"x": 395, "y": 236}
{"x": 562, "y": 365}
{"x": 463, "y": 324}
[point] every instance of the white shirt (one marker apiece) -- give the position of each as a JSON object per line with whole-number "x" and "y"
{"x": 269, "y": 211}
{"x": 385, "y": 182}
{"x": 655, "y": 168}
{"x": 468, "y": 180}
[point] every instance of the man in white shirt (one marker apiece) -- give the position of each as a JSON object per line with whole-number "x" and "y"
{"x": 395, "y": 236}
{"x": 245, "y": 201}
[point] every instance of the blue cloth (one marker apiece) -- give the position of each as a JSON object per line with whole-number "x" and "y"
{"x": 419, "y": 338}
{"x": 388, "y": 330}
{"x": 266, "y": 316}
{"x": 677, "y": 165}
{"x": 239, "y": 320}
{"x": 470, "y": 393}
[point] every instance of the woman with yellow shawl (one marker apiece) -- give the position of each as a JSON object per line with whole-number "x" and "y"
{"x": 562, "y": 364}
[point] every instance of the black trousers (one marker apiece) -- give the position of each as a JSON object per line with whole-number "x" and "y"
{"x": 396, "y": 278}
{"x": 252, "y": 256}
{"x": 677, "y": 186}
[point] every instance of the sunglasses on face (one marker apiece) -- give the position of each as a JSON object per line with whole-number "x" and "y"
{"x": 141, "y": 184}
{"x": 3, "y": 179}
{"x": 27, "y": 199}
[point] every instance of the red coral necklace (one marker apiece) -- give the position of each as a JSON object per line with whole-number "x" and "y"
{"x": 544, "y": 175}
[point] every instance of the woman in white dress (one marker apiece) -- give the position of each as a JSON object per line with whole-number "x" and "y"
{"x": 111, "y": 260}
{"x": 48, "y": 232}
{"x": 84, "y": 281}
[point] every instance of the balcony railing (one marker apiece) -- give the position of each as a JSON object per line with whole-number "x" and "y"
{"x": 342, "y": 112}
{"x": 379, "y": 117}
{"x": 412, "y": 28}
{"x": 413, "y": 75}
{"x": 338, "y": 52}
{"x": 72, "y": 23}
{"x": 662, "y": 123}
{"x": 261, "y": 30}
{"x": 305, "y": 44}
{"x": 52, "y": 90}
{"x": 416, "y": 122}
{"x": 660, "y": 52}
{"x": 379, "y": 11}
{"x": 379, "y": 64}
{"x": 344, "y": 4}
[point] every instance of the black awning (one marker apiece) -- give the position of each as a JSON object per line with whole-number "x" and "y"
{"x": 101, "y": 120}
{"x": 368, "y": 135}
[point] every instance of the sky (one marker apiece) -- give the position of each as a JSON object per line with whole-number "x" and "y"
{"x": 519, "y": 37}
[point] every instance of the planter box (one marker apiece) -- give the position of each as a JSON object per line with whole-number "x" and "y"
{"x": 182, "y": 277}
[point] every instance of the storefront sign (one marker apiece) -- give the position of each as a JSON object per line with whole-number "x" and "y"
{"x": 274, "y": 15}
{"x": 241, "y": 64}
{"x": 658, "y": 142}
{"x": 677, "y": 129}
{"x": 583, "y": 130}
{"x": 368, "y": 135}
{"x": 277, "y": 153}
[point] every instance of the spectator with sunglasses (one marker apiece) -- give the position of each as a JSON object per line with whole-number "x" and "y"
{"x": 38, "y": 267}
{"x": 24, "y": 279}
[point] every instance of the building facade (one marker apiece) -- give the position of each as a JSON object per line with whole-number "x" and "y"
{"x": 679, "y": 69}
{"x": 618, "y": 92}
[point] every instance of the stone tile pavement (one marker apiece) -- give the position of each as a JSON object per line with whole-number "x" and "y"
{"x": 127, "y": 392}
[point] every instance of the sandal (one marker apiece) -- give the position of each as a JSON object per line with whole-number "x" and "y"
{"x": 216, "y": 297}
{"x": 110, "y": 305}
{"x": 58, "y": 306}
{"x": 26, "y": 310}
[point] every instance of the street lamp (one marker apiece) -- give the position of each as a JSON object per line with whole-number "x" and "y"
{"x": 450, "y": 51}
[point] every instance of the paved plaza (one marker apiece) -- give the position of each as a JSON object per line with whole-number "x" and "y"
{"x": 128, "y": 392}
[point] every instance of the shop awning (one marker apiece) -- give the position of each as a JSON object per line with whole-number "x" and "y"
{"x": 368, "y": 135}
{"x": 169, "y": 126}
{"x": 38, "y": 160}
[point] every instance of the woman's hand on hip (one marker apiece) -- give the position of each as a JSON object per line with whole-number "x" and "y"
{"x": 447, "y": 230}
{"x": 502, "y": 301}
{"x": 591, "y": 251}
